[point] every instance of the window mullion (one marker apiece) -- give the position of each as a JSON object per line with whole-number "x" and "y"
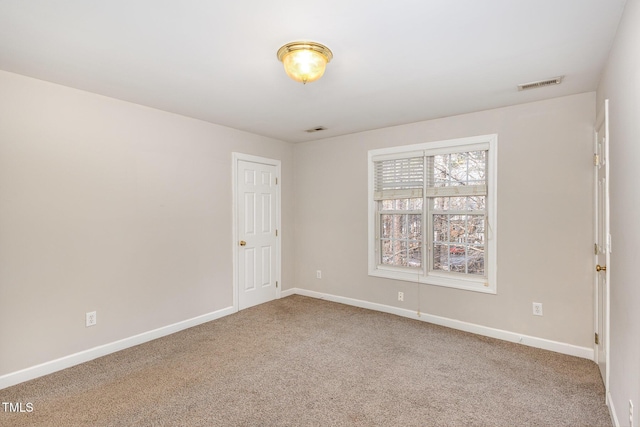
{"x": 427, "y": 223}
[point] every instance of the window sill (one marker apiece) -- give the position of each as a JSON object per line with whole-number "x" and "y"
{"x": 467, "y": 284}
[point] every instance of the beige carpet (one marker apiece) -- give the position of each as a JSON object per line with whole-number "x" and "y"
{"x": 305, "y": 362}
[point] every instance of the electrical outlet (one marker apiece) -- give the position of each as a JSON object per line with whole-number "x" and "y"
{"x": 91, "y": 319}
{"x": 537, "y": 309}
{"x": 318, "y": 274}
{"x": 630, "y": 413}
{"x": 400, "y": 296}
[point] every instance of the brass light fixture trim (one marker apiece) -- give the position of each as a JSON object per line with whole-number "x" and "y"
{"x": 304, "y": 61}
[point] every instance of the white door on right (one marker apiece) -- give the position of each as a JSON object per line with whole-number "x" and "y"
{"x": 602, "y": 246}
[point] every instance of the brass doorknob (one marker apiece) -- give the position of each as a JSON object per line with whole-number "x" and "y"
{"x": 243, "y": 243}
{"x": 601, "y": 267}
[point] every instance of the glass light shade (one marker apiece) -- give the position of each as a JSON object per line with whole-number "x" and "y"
{"x": 304, "y": 61}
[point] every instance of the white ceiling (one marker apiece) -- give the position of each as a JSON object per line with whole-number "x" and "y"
{"x": 395, "y": 62}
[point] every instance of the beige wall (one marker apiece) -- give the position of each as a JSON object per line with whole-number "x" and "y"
{"x": 621, "y": 85}
{"x": 114, "y": 207}
{"x": 109, "y": 206}
{"x": 545, "y": 221}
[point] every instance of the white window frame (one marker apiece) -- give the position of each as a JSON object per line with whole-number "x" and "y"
{"x": 485, "y": 284}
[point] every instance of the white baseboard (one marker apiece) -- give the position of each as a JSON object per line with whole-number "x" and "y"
{"x": 289, "y": 292}
{"x": 558, "y": 347}
{"x": 102, "y": 350}
{"x": 93, "y": 353}
{"x": 612, "y": 411}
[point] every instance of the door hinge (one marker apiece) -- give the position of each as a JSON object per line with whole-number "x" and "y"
{"x": 597, "y": 340}
{"x": 595, "y": 249}
{"x": 276, "y": 180}
{"x": 596, "y": 160}
{"x": 276, "y": 232}
{"x": 276, "y": 283}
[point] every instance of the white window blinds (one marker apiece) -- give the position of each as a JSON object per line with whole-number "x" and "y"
{"x": 401, "y": 178}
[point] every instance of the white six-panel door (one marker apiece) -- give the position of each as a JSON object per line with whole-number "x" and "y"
{"x": 257, "y": 207}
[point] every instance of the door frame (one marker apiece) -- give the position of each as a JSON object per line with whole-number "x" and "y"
{"x": 236, "y": 157}
{"x": 602, "y": 119}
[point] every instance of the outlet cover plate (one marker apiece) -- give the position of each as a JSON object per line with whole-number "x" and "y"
{"x": 91, "y": 319}
{"x": 537, "y": 309}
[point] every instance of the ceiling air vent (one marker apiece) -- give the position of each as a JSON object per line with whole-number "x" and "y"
{"x": 316, "y": 129}
{"x": 541, "y": 83}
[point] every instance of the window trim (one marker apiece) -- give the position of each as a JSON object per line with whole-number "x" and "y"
{"x": 423, "y": 275}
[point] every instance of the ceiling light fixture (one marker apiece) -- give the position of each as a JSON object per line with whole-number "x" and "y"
{"x": 304, "y": 61}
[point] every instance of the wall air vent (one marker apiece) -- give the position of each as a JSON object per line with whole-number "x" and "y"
{"x": 541, "y": 83}
{"x": 316, "y": 129}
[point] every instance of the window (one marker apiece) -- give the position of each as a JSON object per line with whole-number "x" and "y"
{"x": 432, "y": 213}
